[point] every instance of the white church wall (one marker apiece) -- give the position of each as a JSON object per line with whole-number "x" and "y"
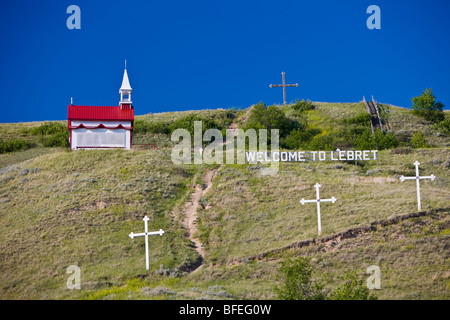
{"x": 126, "y": 124}
{"x": 100, "y": 138}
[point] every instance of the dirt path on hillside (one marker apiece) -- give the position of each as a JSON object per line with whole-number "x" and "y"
{"x": 190, "y": 211}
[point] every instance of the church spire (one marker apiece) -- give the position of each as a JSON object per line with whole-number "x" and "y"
{"x": 125, "y": 91}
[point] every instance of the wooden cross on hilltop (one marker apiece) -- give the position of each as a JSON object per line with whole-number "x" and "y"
{"x": 284, "y": 85}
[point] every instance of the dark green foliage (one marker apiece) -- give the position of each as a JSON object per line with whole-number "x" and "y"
{"x": 426, "y": 107}
{"x": 380, "y": 140}
{"x": 322, "y": 142}
{"x": 303, "y": 105}
{"x": 220, "y": 121}
{"x": 271, "y": 117}
{"x": 366, "y": 141}
{"x": 14, "y": 145}
{"x": 418, "y": 140}
{"x": 352, "y": 289}
{"x": 188, "y": 124}
{"x": 55, "y": 140}
{"x": 52, "y": 134}
{"x": 299, "y": 138}
{"x": 49, "y": 128}
{"x": 443, "y": 126}
{"x": 141, "y": 126}
{"x": 362, "y": 119}
{"x": 298, "y": 282}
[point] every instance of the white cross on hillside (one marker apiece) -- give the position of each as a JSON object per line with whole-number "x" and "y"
{"x": 318, "y": 200}
{"x": 417, "y": 178}
{"x": 146, "y": 234}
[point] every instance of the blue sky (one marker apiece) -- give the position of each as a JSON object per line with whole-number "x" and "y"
{"x": 184, "y": 55}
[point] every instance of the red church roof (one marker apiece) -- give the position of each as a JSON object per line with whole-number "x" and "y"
{"x": 100, "y": 113}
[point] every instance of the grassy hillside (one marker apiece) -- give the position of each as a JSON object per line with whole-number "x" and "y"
{"x": 60, "y": 208}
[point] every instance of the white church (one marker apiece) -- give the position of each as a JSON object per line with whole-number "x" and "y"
{"x": 95, "y": 127}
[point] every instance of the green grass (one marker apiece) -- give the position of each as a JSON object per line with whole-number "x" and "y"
{"x": 60, "y": 208}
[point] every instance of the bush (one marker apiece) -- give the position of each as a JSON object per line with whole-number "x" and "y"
{"x": 303, "y": 105}
{"x": 379, "y": 140}
{"x": 49, "y": 128}
{"x": 426, "y": 107}
{"x": 271, "y": 117}
{"x": 418, "y": 140}
{"x": 266, "y": 117}
{"x": 188, "y": 124}
{"x": 362, "y": 119}
{"x": 297, "y": 281}
{"x": 14, "y": 145}
{"x": 52, "y": 134}
{"x": 443, "y": 126}
{"x": 142, "y": 126}
{"x": 323, "y": 142}
{"x": 299, "y": 138}
{"x": 386, "y": 140}
{"x": 352, "y": 289}
{"x": 55, "y": 140}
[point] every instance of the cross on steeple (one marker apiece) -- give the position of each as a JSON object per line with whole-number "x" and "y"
{"x": 284, "y": 85}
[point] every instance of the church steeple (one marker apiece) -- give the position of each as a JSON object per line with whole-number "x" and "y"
{"x": 125, "y": 91}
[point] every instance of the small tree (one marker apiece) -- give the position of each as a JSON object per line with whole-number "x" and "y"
{"x": 298, "y": 282}
{"x": 426, "y": 107}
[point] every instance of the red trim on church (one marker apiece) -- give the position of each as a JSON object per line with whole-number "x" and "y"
{"x": 100, "y": 113}
{"x": 100, "y": 126}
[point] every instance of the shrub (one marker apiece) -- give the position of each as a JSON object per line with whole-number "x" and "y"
{"x": 303, "y": 105}
{"x": 323, "y": 142}
{"x": 298, "y": 138}
{"x": 14, "y": 145}
{"x": 362, "y": 119}
{"x": 379, "y": 140}
{"x": 443, "y": 126}
{"x": 52, "y": 134}
{"x": 418, "y": 140}
{"x": 352, "y": 289}
{"x": 298, "y": 282}
{"x": 272, "y": 117}
{"x": 142, "y": 126}
{"x": 188, "y": 124}
{"x": 49, "y": 128}
{"x": 386, "y": 140}
{"x": 55, "y": 140}
{"x": 267, "y": 117}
